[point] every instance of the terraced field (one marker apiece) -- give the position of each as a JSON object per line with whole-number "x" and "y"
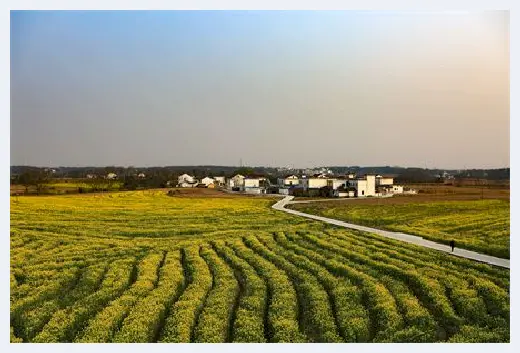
{"x": 135, "y": 267}
{"x": 479, "y": 225}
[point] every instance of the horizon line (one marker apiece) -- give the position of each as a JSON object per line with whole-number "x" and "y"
{"x": 260, "y": 166}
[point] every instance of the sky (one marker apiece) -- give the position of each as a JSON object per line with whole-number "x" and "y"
{"x": 268, "y": 88}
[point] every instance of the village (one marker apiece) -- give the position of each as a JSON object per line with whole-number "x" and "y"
{"x": 322, "y": 184}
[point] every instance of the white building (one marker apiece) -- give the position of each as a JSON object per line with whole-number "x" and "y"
{"x": 289, "y": 180}
{"x": 220, "y": 180}
{"x": 335, "y": 183}
{"x": 365, "y": 186}
{"x": 111, "y": 176}
{"x": 345, "y": 192}
{"x": 236, "y": 182}
{"x": 255, "y": 185}
{"x": 186, "y": 181}
{"x": 141, "y": 175}
{"x": 207, "y": 180}
{"x": 350, "y": 185}
{"x": 397, "y": 189}
{"x": 316, "y": 181}
{"x": 186, "y": 178}
{"x": 384, "y": 180}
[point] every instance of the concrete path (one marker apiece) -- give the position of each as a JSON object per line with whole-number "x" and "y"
{"x": 468, "y": 254}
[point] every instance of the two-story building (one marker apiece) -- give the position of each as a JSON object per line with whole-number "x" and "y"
{"x": 316, "y": 181}
{"x": 236, "y": 182}
{"x": 365, "y": 186}
{"x": 288, "y": 180}
{"x": 186, "y": 181}
{"x": 220, "y": 180}
{"x": 255, "y": 184}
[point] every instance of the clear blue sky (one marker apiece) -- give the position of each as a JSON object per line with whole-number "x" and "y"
{"x": 271, "y": 88}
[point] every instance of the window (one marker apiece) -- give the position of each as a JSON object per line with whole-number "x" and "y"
{"x": 363, "y": 192}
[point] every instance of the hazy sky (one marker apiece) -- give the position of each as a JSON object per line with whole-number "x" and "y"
{"x": 284, "y": 88}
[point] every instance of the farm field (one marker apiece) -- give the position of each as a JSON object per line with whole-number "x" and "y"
{"x": 68, "y": 186}
{"x": 479, "y": 225}
{"x": 147, "y": 267}
{"x": 438, "y": 192}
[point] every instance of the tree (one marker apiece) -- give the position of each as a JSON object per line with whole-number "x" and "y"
{"x": 42, "y": 179}
{"x": 26, "y": 179}
{"x": 33, "y": 177}
{"x": 245, "y": 171}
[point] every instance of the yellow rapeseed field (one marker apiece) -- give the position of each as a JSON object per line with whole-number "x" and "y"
{"x": 479, "y": 225}
{"x": 147, "y": 267}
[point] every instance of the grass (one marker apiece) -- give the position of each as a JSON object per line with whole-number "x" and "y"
{"x": 479, "y": 225}
{"x": 120, "y": 267}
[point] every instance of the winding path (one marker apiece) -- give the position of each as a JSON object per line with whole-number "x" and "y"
{"x": 413, "y": 239}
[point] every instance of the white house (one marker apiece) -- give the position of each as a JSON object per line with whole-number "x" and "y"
{"x": 220, "y": 180}
{"x": 111, "y": 176}
{"x": 365, "y": 186}
{"x": 384, "y": 180}
{"x": 186, "y": 181}
{"x": 236, "y": 182}
{"x": 289, "y": 180}
{"x": 207, "y": 180}
{"x": 316, "y": 181}
{"x": 255, "y": 184}
{"x": 186, "y": 178}
{"x": 141, "y": 175}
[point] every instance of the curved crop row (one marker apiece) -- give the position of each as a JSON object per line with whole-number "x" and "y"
{"x": 248, "y": 325}
{"x": 317, "y": 318}
{"x": 346, "y": 302}
{"x": 464, "y": 299}
{"x": 36, "y": 319}
{"x": 418, "y": 255}
{"x": 66, "y": 323}
{"x": 214, "y": 324}
{"x": 282, "y": 316}
{"x": 421, "y": 326}
{"x": 179, "y": 325}
{"x": 412, "y": 255}
{"x": 384, "y": 315}
{"x": 145, "y": 319}
{"x": 428, "y": 290}
{"x": 495, "y": 298}
{"x": 65, "y": 281}
{"x": 105, "y": 324}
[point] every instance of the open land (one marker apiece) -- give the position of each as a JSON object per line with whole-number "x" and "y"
{"x": 203, "y": 266}
{"x": 474, "y": 222}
